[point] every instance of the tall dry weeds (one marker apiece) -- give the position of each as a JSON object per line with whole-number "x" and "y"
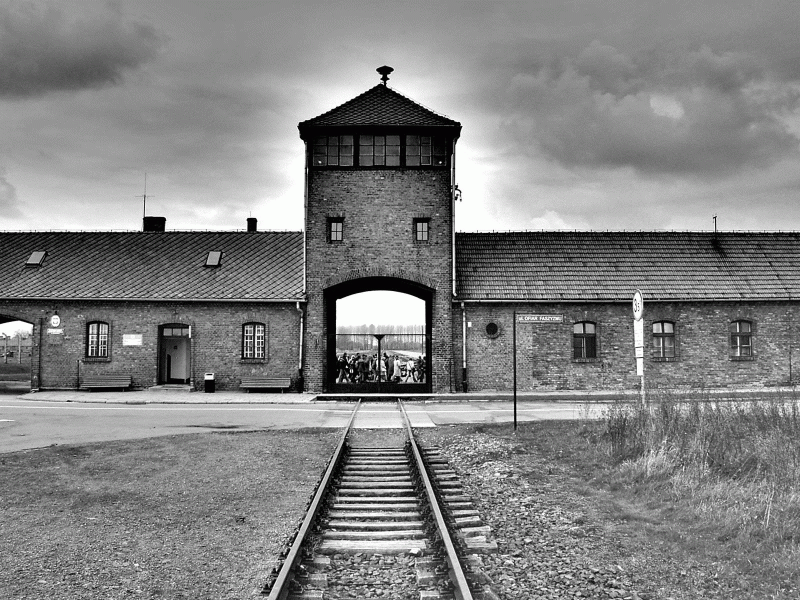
{"x": 737, "y": 461}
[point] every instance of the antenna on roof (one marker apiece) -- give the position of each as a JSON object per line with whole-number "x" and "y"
{"x": 144, "y": 197}
{"x": 385, "y": 72}
{"x": 715, "y": 225}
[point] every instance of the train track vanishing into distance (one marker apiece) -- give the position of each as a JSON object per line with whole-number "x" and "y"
{"x": 387, "y": 521}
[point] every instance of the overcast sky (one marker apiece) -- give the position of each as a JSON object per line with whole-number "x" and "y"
{"x": 616, "y": 114}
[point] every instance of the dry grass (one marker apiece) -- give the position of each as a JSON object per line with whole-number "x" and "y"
{"x": 193, "y": 516}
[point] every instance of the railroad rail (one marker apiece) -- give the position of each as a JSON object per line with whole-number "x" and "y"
{"x": 382, "y": 519}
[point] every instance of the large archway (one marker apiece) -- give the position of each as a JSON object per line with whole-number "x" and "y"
{"x": 389, "y": 350}
{"x": 16, "y": 355}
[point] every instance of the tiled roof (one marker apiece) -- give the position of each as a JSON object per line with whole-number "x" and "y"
{"x": 380, "y": 105}
{"x": 610, "y": 266}
{"x": 259, "y": 266}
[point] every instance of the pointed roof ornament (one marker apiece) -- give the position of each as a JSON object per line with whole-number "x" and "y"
{"x": 385, "y": 72}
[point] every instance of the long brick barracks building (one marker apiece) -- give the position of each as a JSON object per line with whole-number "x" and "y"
{"x": 165, "y": 307}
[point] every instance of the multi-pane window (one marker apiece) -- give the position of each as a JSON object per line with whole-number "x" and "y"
{"x": 379, "y": 150}
{"x": 741, "y": 338}
{"x": 335, "y": 229}
{"x": 425, "y": 150}
{"x": 664, "y": 339}
{"x": 253, "y": 340}
{"x": 421, "y": 230}
{"x": 584, "y": 340}
{"x": 97, "y": 339}
{"x": 370, "y": 150}
{"x": 333, "y": 150}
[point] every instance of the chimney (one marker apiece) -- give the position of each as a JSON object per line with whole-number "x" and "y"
{"x": 252, "y": 223}
{"x": 154, "y": 223}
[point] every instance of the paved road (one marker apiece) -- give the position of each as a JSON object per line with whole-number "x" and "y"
{"x": 26, "y": 424}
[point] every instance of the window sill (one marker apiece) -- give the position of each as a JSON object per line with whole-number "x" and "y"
{"x": 96, "y": 359}
{"x": 742, "y": 358}
{"x": 253, "y": 361}
{"x": 586, "y": 360}
{"x": 665, "y": 359}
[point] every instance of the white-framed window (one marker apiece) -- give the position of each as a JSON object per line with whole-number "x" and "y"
{"x": 97, "y": 339}
{"x": 253, "y": 340}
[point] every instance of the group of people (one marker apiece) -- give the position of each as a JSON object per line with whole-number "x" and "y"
{"x": 361, "y": 368}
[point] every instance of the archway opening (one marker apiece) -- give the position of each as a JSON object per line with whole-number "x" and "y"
{"x": 16, "y": 348}
{"x": 378, "y": 333}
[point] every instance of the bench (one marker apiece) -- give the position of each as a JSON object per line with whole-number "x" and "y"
{"x": 96, "y": 382}
{"x": 266, "y": 383}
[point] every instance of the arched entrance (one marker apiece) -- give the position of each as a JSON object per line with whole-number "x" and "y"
{"x": 16, "y": 355}
{"x": 385, "y": 353}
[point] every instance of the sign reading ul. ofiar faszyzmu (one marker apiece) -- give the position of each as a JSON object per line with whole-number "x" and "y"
{"x": 531, "y": 318}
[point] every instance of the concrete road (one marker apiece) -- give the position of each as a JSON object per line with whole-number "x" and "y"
{"x": 26, "y": 424}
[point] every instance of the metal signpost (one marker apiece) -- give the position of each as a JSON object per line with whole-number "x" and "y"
{"x": 638, "y": 337}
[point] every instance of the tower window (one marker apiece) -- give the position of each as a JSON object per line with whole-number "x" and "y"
{"x": 421, "y": 230}
{"x": 333, "y": 150}
{"x": 335, "y": 229}
{"x": 426, "y": 151}
{"x": 379, "y": 150}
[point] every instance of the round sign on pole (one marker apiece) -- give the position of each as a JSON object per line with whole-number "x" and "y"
{"x": 638, "y": 305}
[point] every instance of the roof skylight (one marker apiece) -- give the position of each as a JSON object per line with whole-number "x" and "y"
{"x": 213, "y": 259}
{"x": 36, "y": 259}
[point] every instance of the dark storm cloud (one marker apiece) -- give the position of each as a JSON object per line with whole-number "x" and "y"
{"x": 42, "y": 51}
{"x": 668, "y": 110}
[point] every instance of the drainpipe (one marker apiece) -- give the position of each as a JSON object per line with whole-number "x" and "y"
{"x": 300, "y": 383}
{"x": 464, "y": 348}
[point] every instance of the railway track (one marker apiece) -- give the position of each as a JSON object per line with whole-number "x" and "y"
{"x": 386, "y": 521}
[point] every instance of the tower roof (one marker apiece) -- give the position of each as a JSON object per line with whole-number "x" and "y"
{"x": 379, "y": 106}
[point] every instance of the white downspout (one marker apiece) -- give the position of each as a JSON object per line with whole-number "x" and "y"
{"x": 300, "y": 363}
{"x": 464, "y": 348}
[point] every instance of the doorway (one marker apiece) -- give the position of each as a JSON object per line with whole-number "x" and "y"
{"x": 174, "y": 354}
{"x": 379, "y": 337}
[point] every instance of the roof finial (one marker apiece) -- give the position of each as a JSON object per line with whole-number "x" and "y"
{"x": 384, "y": 71}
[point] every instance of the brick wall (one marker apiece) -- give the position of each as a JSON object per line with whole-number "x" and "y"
{"x": 59, "y": 353}
{"x": 378, "y": 207}
{"x": 544, "y": 350}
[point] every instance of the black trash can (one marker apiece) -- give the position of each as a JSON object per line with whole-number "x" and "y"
{"x": 210, "y": 382}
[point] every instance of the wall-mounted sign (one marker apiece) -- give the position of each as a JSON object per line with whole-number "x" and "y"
{"x": 55, "y": 321}
{"x": 52, "y": 331}
{"x": 529, "y": 318}
{"x": 131, "y": 339}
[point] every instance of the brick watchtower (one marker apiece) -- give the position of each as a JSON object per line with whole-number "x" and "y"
{"x": 380, "y": 174}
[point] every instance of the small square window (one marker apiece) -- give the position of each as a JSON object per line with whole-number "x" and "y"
{"x": 214, "y": 259}
{"x": 36, "y": 259}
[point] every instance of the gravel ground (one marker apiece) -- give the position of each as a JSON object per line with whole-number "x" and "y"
{"x": 547, "y": 547}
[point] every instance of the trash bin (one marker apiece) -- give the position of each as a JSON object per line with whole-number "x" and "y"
{"x": 210, "y": 383}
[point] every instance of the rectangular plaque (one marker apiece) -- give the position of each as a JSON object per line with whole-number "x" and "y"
{"x": 131, "y": 339}
{"x": 540, "y": 318}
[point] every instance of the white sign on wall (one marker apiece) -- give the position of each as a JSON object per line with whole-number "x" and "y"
{"x": 131, "y": 339}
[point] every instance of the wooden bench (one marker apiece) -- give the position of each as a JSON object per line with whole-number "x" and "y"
{"x": 96, "y": 382}
{"x": 266, "y": 383}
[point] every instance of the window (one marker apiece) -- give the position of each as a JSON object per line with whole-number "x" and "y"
{"x": 335, "y": 229}
{"x": 379, "y": 150}
{"x": 426, "y": 150}
{"x": 663, "y": 340}
{"x": 584, "y": 340}
{"x": 176, "y": 331}
{"x": 421, "y": 230}
{"x": 333, "y": 150}
{"x": 741, "y": 339}
{"x": 213, "y": 259}
{"x": 97, "y": 339}
{"x": 35, "y": 259}
{"x": 253, "y": 340}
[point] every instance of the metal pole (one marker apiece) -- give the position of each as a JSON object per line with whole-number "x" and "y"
{"x": 514, "y": 343}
